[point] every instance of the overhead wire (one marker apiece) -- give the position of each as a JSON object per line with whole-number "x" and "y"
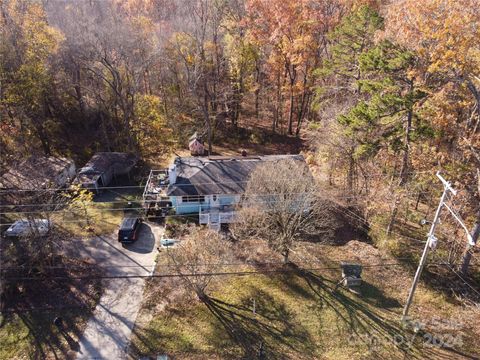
{"x": 143, "y": 186}
{"x": 198, "y": 274}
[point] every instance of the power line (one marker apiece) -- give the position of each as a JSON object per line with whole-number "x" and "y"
{"x": 346, "y": 212}
{"x": 356, "y": 217}
{"x": 143, "y": 186}
{"x": 461, "y": 278}
{"x": 101, "y": 208}
{"x": 187, "y": 264}
{"x": 225, "y": 273}
{"x": 57, "y": 308}
{"x": 359, "y": 197}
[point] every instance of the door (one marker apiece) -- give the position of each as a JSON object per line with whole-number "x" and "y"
{"x": 215, "y": 202}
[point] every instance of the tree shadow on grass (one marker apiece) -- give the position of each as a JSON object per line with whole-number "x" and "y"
{"x": 361, "y": 319}
{"x": 374, "y": 296}
{"x": 363, "y": 324}
{"x": 47, "y": 339}
{"x": 35, "y": 303}
{"x": 271, "y": 327}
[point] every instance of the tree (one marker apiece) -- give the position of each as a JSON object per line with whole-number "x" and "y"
{"x": 79, "y": 200}
{"x": 292, "y": 35}
{"x": 339, "y": 80}
{"x": 349, "y": 40}
{"x": 197, "y": 258}
{"x": 281, "y": 205}
{"x": 27, "y": 71}
{"x": 445, "y": 34}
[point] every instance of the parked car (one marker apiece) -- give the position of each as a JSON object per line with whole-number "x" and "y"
{"x": 166, "y": 242}
{"x": 129, "y": 229}
{"x": 26, "y": 227}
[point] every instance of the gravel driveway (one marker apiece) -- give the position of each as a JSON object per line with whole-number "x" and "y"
{"x": 108, "y": 332}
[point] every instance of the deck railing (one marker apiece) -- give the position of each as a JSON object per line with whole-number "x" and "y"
{"x": 222, "y": 216}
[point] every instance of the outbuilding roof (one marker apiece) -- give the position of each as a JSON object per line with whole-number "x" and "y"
{"x": 35, "y": 172}
{"x": 103, "y": 161}
{"x": 217, "y": 174}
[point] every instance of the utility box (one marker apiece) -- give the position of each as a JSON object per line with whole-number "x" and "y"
{"x": 351, "y": 274}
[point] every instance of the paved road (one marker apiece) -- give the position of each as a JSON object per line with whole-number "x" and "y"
{"x": 108, "y": 331}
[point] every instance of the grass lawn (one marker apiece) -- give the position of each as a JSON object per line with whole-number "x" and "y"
{"x": 105, "y": 213}
{"x": 26, "y": 327}
{"x": 300, "y": 315}
{"x": 32, "y": 335}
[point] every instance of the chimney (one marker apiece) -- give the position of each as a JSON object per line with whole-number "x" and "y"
{"x": 172, "y": 174}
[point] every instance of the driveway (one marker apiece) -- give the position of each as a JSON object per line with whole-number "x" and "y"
{"x": 108, "y": 332}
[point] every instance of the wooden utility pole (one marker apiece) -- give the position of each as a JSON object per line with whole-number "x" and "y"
{"x": 431, "y": 242}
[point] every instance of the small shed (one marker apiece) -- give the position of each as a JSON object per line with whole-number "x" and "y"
{"x": 351, "y": 274}
{"x": 39, "y": 172}
{"x": 195, "y": 144}
{"x": 103, "y": 167}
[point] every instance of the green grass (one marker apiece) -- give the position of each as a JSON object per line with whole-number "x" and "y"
{"x": 301, "y": 315}
{"x": 298, "y": 316}
{"x": 103, "y": 218}
{"x": 14, "y": 337}
{"x": 32, "y": 335}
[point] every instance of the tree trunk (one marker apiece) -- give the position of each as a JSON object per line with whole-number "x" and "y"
{"x": 476, "y": 94}
{"x": 78, "y": 92}
{"x": 258, "y": 89}
{"x": 43, "y": 137}
{"x": 418, "y": 199}
{"x": 303, "y": 104}
{"x": 104, "y": 131}
{"x": 406, "y": 143}
{"x": 467, "y": 255}
{"x": 393, "y": 217}
{"x": 276, "y": 114}
{"x": 350, "y": 174}
{"x": 208, "y": 122}
{"x": 290, "y": 114}
{"x": 285, "y": 254}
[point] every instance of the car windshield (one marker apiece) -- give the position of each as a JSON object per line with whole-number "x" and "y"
{"x": 20, "y": 224}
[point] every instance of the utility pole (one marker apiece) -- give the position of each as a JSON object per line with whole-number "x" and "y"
{"x": 431, "y": 243}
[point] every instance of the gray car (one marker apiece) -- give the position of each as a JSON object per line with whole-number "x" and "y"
{"x": 26, "y": 227}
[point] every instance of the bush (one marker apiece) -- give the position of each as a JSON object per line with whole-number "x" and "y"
{"x": 257, "y": 137}
{"x": 177, "y": 226}
{"x": 380, "y": 238}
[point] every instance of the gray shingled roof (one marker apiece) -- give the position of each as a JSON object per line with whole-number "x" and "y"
{"x": 217, "y": 175}
{"x": 102, "y": 161}
{"x": 34, "y": 172}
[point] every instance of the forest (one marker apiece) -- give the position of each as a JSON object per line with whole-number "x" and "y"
{"x": 382, "y": 94}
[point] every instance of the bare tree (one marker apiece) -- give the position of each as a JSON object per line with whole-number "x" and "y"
{"x": 197, "y": 258}
{"x": 281, "y": 205}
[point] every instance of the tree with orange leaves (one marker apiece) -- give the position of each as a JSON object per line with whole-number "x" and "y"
{"x": 292, "y": 35}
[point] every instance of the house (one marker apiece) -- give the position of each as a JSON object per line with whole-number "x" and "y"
{"x": 103, "y": 167}
{"x": 195, "y": 144}
{"x": 39, "y": 172}
{"x": 208, "y": 186}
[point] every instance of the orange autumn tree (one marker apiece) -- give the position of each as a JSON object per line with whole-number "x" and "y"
{"x": 445, "y": 35}
{"x": 292, "y": 36}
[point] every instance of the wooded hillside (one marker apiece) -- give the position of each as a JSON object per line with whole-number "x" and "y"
{"x": 383, "y": 93}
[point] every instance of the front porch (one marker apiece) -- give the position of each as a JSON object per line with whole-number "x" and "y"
{"x": 214, "y": 217}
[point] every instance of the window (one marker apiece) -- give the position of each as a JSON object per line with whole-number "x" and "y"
{"x": 193, "y": 198}
{"x": 214, "y": 197}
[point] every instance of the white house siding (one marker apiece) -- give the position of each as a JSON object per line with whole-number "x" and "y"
{"x": 194, "y": 207}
